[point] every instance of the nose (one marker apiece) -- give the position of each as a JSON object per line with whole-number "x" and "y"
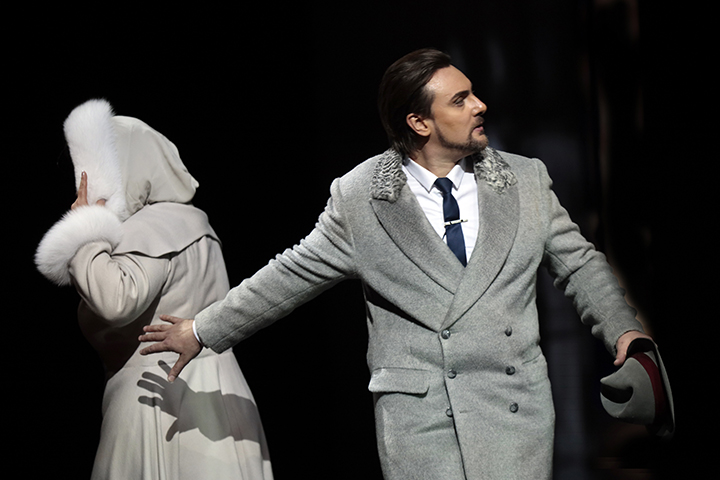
{"x": 480, "y": 108}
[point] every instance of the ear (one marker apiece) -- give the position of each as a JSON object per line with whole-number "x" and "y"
{"x": 418, "y": 124}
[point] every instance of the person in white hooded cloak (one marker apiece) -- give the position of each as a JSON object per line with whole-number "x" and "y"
{"x": 133, "y": 246}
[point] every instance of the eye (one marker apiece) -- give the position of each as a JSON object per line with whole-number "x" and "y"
{"x": 459, "y": 101}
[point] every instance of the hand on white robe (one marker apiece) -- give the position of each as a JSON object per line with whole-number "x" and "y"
{"x": 177, "y": 337}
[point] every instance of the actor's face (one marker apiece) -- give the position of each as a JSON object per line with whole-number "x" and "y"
{"x": 456, "y": 113}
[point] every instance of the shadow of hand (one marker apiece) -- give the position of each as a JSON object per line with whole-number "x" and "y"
{"x": 214, "y": 414}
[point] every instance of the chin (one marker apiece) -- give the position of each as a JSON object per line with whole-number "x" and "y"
{"x": 480, "y": 144}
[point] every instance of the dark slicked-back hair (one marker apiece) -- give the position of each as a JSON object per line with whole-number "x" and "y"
{"x": 402, "y": 92}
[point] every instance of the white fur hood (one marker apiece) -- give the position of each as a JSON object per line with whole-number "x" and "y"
{"x": 91, "y": 140}
{"x": 128, "y": 164}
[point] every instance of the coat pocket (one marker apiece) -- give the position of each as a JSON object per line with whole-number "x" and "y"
{"x": 399, "y": 380}
{"x": 536, "y": 371}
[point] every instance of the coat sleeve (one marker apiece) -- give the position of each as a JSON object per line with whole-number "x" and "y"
{"x": 583, "y": 274}
{"x": 118, "y": 288}
{"x": 321, "y": 260}
{"x": 78, "y": 250}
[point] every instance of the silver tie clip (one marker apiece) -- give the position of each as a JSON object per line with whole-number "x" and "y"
{"x": 455, "y": 222}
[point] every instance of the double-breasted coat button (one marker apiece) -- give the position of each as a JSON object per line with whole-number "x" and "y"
{"x": 514, "y": 407}
{"x": 445, "y": 334}
{"x": 510, "y": 370}
{"x": 508, "y": 331}
{"x": 448, "y": 412}
{"x": 452, "y": 373}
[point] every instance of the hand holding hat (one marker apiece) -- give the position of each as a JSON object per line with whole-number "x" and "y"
{"x": 639, "y": 392}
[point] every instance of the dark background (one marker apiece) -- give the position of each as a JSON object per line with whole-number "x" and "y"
{"x": 278, "y": 101}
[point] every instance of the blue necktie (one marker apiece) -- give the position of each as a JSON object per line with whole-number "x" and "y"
{"x": 453, "y": 228}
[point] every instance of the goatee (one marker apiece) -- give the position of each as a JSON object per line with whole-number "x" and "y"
{"x": 469, "y": 147}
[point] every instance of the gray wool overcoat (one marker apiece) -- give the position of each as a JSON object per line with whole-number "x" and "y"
{"x": 460, "y": 384}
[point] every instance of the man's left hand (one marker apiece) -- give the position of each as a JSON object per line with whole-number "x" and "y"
{"x": 624, "y": 342}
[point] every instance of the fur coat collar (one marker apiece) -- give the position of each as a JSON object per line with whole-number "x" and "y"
{"x": 388, "y": 177}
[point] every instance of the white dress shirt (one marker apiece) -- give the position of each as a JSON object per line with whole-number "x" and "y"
{"x": 422, "y": 183}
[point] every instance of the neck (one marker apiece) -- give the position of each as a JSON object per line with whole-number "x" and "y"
{"x": 439, "y": 165}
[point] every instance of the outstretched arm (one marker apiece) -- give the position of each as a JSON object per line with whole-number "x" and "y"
{"x": 320, "y": 261}
{"x": 177, "y": 336}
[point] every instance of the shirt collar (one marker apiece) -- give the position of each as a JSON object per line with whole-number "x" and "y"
{"x": 427, "y": 179}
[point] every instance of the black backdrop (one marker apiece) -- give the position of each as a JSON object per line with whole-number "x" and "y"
{"x": 609, "y": 94}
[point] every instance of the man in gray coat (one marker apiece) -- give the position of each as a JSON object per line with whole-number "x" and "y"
{"x": 446, "y": 236}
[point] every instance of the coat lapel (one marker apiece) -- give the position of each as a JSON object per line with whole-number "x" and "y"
{"x": 499, "y": 203}
{"x": 407, "y": 225}
{"x": 401, "y": 216}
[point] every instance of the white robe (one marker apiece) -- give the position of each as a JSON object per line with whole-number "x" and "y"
{"x": 205, "y": 424}
{"x": 144, "y": 253}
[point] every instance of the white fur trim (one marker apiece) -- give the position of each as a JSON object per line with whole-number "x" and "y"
{"x": 91, "y": 137}
{"x": 76, "y": 228}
